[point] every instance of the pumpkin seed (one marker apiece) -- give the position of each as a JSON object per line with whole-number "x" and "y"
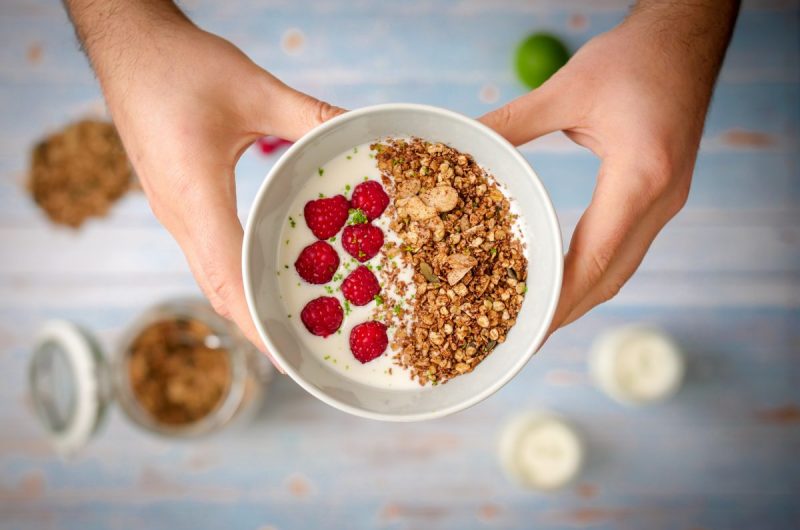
{"x": 427, "y": 271}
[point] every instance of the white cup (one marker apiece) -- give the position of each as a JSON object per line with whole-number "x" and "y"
{"x": 541, "y": 451}
{"x": 636, "y": 364}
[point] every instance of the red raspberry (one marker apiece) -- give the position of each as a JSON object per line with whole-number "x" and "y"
{"x": 370, "y": 198}
{"x": 325, "y": 217}
{"x": 317, "y": 263}
{"x": 362, "y": 241}
{"x": 270, "y": 144}
{"x": 361, "y": 286}
{"x": 368, "y": 341}
{"x": 322, "y": 316}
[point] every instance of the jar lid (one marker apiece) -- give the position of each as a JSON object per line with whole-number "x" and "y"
{"x": 69, "y": 384}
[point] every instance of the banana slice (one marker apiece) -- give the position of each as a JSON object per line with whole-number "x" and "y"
{"x": 541, "y": 451}
{"x": 636, "y": 365}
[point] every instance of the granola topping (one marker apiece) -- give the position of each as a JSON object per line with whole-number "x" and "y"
{"x": 447, "y": 279}
{"x": 457, "y": 233}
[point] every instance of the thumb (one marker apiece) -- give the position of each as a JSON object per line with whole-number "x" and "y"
{"x": 538, "y": 112}
{"x": 290, "y": 113}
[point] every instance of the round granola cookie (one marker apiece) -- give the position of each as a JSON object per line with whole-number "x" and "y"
{"x": 79, "y": 172}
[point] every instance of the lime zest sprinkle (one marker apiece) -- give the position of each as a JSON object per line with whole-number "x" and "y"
{"x": 357, "y": 217}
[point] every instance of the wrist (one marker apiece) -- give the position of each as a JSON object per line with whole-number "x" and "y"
{"x": 117, "y": 35}
{"x": 688, "y": 38}
{"x": 709, "y": 22}
{"x": 721, "y": 11}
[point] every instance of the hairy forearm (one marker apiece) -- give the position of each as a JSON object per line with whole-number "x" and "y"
{"x": 684, "y": 42}
{"x": 714, "y": 13}
{"x": 115, "y": 33}
{"x": 700, "y": 29}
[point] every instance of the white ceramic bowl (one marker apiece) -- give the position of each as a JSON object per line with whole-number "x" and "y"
{"x": 490, "y": 150}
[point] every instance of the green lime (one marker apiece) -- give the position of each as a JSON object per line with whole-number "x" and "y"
{"x": 538, "y": 57}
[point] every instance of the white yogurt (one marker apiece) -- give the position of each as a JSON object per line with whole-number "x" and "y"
{"x": 339, "y": 176}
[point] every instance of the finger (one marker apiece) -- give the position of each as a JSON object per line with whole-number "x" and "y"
{"x": 627, "y": 258}
{"x": 539, "y": 112}
{"x": 219, "y": 271}
{"x": 289, "y": 113}
{"x": 620, "y": 201}
{"x": 208, "y": 230}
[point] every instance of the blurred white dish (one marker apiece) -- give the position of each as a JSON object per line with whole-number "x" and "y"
{"x": 636, "y": 364}
{"x": 538, "y": 450}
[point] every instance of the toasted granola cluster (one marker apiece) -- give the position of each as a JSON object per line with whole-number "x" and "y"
{"x": 469, "y": 265}
{"x": 176, "y": 377}
{"x": 79, "y": 172}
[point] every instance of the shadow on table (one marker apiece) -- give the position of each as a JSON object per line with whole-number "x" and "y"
{"x": 285, "y": 401}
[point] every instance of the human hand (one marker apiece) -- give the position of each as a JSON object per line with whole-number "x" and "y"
{"x": 637, "y": 97}
{"x": 187, "y": 104}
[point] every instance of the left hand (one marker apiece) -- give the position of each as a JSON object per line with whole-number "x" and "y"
{"x": 637, "y": 97}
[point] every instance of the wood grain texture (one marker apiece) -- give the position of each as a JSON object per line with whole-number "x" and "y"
{"x": 723, "y": 278}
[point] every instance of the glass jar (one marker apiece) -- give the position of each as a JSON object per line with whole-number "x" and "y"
{"x": 180, "y": 370}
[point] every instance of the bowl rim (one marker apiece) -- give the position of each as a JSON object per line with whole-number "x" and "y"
{"x": 249, "y": 234}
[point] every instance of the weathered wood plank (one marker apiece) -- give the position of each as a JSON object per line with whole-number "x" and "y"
{"x": 723, "y": 278}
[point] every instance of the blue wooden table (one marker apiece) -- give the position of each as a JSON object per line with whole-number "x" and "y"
{"x": 723, "y": 278}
